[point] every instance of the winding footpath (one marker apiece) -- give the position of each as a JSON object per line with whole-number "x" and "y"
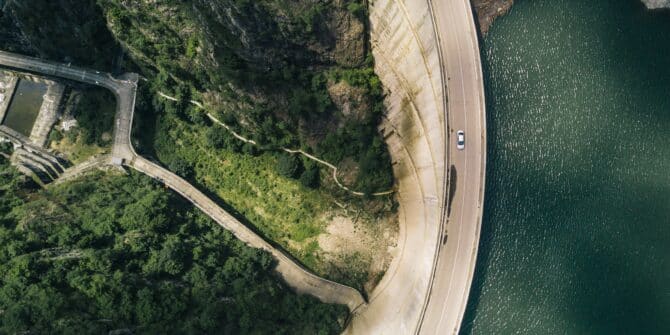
{"x": 426, "y": 288}
{"x": 291, "y": 151}
{"x": 124, "y": 88}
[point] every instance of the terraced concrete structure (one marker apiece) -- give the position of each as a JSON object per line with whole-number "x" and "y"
{"x": 408, "y": 63}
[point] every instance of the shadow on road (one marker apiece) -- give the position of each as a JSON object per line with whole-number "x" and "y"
{"x": 453, "y": 177}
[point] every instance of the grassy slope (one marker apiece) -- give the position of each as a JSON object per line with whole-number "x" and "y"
{"x": 94, "y": 113}
{"x": 281, "y": 209}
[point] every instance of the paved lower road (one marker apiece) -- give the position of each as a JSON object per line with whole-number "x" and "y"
{"x": 302, "y": 280}
{"x": 466, "y": 110}
{"x": 124, "y": 88}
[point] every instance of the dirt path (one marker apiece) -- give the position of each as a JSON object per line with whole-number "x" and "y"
{"x": 291, "y": 151}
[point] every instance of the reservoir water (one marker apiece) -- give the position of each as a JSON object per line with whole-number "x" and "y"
{"x": 25, "y": 106}
{"x": 576, "y": 231}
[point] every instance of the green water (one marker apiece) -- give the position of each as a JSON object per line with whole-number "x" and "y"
{"x": 25, "y": 106}
{"x": 576, "y": 232}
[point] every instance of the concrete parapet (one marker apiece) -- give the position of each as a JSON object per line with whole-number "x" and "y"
{"x": 37, "y": 166}
{"x": 48, "y": 114}
{"x": 91, "y": 164}
{"x": 45, "y": 165}
{"x": 41, "y": 162}
{"x": 407, "y": 60}
{"x": 8, "y": 83}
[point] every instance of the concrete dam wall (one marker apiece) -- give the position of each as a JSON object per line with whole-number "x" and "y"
{"x": 407, "y": 59}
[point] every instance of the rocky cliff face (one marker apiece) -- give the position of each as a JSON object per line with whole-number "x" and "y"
{"x": 488, "y": 10}
{"x": 237, "y": 36}
{"x": 656, "y": 4}
{"x": 63, "y": 30}
{"x": 273, "y": 68}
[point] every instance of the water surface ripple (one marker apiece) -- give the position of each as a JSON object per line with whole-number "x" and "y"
{"x": 576, "y": 232}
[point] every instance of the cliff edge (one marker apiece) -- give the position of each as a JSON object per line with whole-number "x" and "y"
{"x": 656, "y": 4}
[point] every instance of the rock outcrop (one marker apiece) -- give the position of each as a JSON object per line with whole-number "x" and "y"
{"x": 656, "y": 4}
{"x": 489, "y": 10}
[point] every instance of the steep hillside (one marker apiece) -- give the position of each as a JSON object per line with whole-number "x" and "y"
{"x": 282, "y": 73}
{"x": 64, "y": 30}
{"x": 277, "y": 70}
{"x": 120, "y": 254}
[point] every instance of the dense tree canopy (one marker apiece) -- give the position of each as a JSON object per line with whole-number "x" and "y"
{"x": 120, "y": 252}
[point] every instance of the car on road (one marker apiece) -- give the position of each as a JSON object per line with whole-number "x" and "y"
{"x": 460, "y": 140}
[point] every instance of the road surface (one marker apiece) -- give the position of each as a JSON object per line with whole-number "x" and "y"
{"x": 466, "y": 111}
{"x": 302, "y": 280}
{"x": 124, "y": 88}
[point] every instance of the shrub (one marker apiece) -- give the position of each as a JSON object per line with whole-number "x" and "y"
{"x": 310, "y": 177}
{"x": 357, "y": 9}
{"x": 289, "y": 166}
{"x": 216, "y": 137}
{"x": 197, "y": 117}
{"x": 181, "y": 168}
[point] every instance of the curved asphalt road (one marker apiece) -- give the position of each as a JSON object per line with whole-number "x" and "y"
{"x": 466, "y": 110}
{"x": 124, "y": 89}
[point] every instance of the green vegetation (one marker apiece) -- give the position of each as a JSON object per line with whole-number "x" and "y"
{"x": 310, "y": 177}
{"x": 6, "y": 147}
{"x": 280, "y": 208}
{"x": 94, "y": 110}
{"x": 73, "y": 146}
{"x": 266, "y": 68}
{"x": 357, "y": 9}
{"x": 64, "y": 30}
{"x": 289, "y": 166}
{"x": 95, "y": 116}
{"x": 283, "y": 207}
{"x": 273, "y": 86}
{"x": 120, "y": 252}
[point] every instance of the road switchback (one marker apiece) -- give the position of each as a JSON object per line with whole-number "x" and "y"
{"x": 125, "y": 88}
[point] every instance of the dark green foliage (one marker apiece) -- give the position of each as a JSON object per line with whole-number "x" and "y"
{"x": 250, "y": 149}
{"x": 359, "y": 139}
{"x": 181, "y": 168}
{"x": 289, "y": 166}
{"x": 63, "y": 30}
{"x": 95, "y": 115}
{"x": 55, "y": 135}
{"x": 310, "y": 177}
{"x": 6, "y": 147}
{"x": 197, "y": 116}
{"x": 216, "y": 137}
{"x": 358, "y": 9}
{"x": 220, "y": 138}
{"x": 107, "y": 253}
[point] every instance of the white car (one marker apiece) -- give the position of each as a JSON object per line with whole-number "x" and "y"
{"x": 460, "y": 140}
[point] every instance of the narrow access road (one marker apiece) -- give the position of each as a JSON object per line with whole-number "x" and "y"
{"x": 299, "y": 278}
{"x": 124, "y": 88}
{"x": 466, "y": 111}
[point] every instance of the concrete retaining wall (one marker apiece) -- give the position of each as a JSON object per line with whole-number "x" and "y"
{"x": 48, "y": 114}
{"x": 8, "y": 83}
{"x": 407, "y": 61}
